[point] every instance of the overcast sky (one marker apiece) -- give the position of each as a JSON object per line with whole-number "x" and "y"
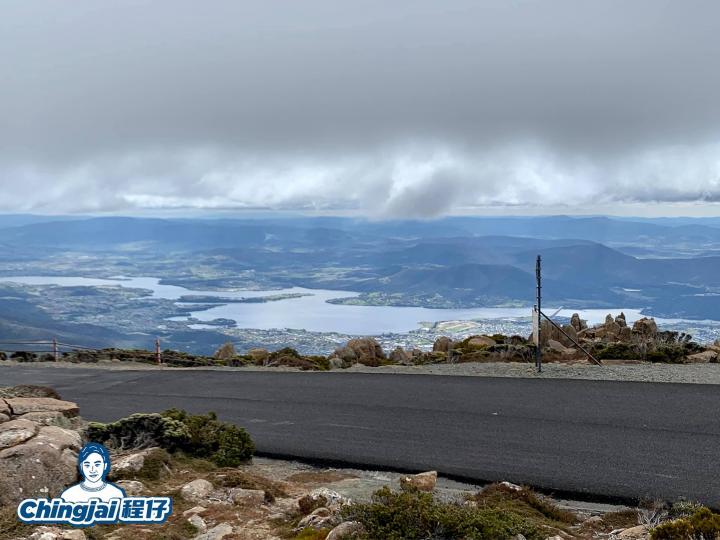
{"x": 377, "y": 108}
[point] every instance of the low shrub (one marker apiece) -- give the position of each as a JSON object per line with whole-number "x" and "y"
{"x": 224, "y": 444}
{"x": 309, "y": 533}
{"x": 618, "y": 351}
{"x": 666, "y": 354}
{"x": 702, "y": 525}
{"x": 234, "y": 478}
{"x": 198, "y": 436}
{"x": 140, "y": 431}
{"x": 414, "y": 515}
{"x": 524, "y": 502}
{"x": 226, "y": 352}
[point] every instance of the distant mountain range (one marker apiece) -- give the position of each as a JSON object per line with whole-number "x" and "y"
{"x": 668, "y": 267}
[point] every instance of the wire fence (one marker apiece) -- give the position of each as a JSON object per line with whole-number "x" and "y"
{"x": 56, "y": 348}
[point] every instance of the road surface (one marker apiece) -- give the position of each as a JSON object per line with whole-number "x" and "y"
{"x": 595, "y": 438}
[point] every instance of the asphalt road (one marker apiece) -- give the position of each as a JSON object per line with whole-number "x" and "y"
{"x": 612, "y": 439}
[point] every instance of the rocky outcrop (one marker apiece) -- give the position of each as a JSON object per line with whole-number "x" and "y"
{"x": 37, "y": 459}
{"x": 366, "y": 351}
{"x": 645, "y": 328}
{"x": 15, "y": 432}
{"x": 577, "y": 323}
{"x": 401, "y": 356}
{"x": 23, "y": 405}
{"x": 442, "y": 344}
{"x": 480, "y": 341}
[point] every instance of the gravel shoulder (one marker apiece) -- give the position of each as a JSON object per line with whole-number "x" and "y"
{"x": 643, "y": 372}
{"x": 639, "y": 372}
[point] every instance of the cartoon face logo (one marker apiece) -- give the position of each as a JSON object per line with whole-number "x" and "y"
{"x": 94, "y": 466}
{"x": 94, "y": 500}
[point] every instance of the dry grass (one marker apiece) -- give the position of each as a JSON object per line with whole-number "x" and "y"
{"x": 319, "y": 477}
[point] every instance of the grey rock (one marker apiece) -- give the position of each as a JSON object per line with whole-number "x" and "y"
{"x": 15, "y": 432}
{"x": 347, "y": 529}
{"x": 197, "y": 490}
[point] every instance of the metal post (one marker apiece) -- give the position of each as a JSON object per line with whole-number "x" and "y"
{"x": 55, "y": 349}
{"x": 158, "y": 355}
{"x": 538, "y": 351}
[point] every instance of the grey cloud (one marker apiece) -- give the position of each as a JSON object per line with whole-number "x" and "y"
{"x": 390, "y": 108}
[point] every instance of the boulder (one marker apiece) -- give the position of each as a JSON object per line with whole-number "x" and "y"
{"x": 22, "y": 405}
{"x": 558, "y": 347}
{"x": 333, "y": 500}
{"x": 247, "y": 497}
{"x": 401, "y": 356}
{"x": 58, "y": 438}
{"x": 132, "y": 488}
{"x": 608, "y": 331}
{"x": 4, "y": 408}
{"x": 15, "y": 432}
{"x": 366, "y": 351}
{"x": 424, "y": 481}
{"x": 481, "y": 341}
{"x": 198, "y": 522}
{"x": 131, "y": 463}
{"x": 346, "y": 530}
{"x": 704, "y": 357}
{"x": 216, "y": 533}
{"x": 55, "y": 533}
{"x": 578, "y": 323}
{"x": 625, "y": 335}
{"x": 35, "y": 470}
{"x": 4, "y": 418}
{"x": 44, "y": 417}
{"x": 194, "y": 510}
{"x": 442, "y": 344}
{"x": 317, "y": 519}
{"x": 570, "y": 331}
{"x": 197, "y": 490}
{"x": 645, "y": 328}
{"x": 620, "y": 320}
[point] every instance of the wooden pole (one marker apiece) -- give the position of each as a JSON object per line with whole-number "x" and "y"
{"x": 538, "y": 279}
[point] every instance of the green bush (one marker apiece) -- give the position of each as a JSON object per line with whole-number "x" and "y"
{"x": 702, "y": 525}
{"x": 524, "y": 502}
{"x": 199, "y": 436}
{"x": 140, "y": 431}
{"x": 667, "y": 354}
{"x": 224, "y": 444}
{"x": 618, "y": 351}
{"x": 414, "y": 515}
